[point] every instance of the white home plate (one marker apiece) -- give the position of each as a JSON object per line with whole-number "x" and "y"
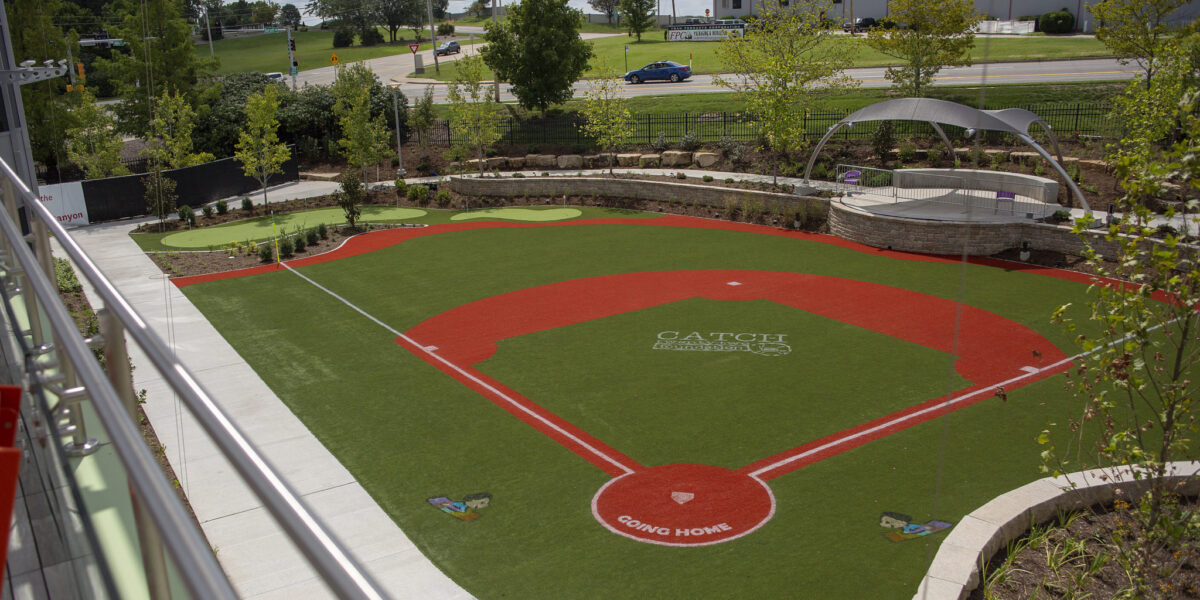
{"x": 682, "y": 497}
{"x": 734, "y": 283}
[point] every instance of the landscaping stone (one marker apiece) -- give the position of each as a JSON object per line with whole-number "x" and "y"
{"x": 547, "y": 161}
{"x": 570, "y": 161}
{"x": 676, "y": 158}
{"x": 706, "y": 159}
{"x": 649, "y": 160}
{"x": 628, "y": 160}
{"x": 516, "y": 162}
{"x": 596, "y": 161}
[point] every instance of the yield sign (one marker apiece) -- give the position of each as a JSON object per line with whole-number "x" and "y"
{"x": 413, "y": 47}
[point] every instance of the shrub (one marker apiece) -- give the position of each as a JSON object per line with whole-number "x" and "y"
{"x": 370, "y": 37}
{"x": 907, "y": 151}
{"x": 934, "y": 156}
{"x": 737, "y": 154}
{"x": 222, "y": 206}
{"x": 728, "y": 180}
{"x": 1059, "y": 21}
{"x": 343, "y": 38}
{"x": 445, "y": 29}
{"x": 265, "y": 253}
{"x": 351, "y": 195}
{"x": 285, "y": 247}
{"x": 418, "y": 194}
{"x": 310, "y": 236}
{"x": 322, "y": 231}
{"x": 1059, "y": 216}
{"x": 443, "y": 198}
{"x": 681, "y": 176}
{"x": 753, "y": 210}
{"x": 401, "y": 188}
{"x": 660, "y": 143}
{"x": 300, "y": 242}
{"x": 882, "y": 140}
{"x": 247, "y": 204}
{"x": 208, "y": 211}
{"x": 518, "y": 175}
{"x": 707, "y": 178}
{"x": 690, "y": 141}
{"x": 187, "y": 215}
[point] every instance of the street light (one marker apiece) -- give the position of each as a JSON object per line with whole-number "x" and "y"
{"x": 396, "y": 110}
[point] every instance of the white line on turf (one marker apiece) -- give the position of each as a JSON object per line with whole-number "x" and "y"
{"x": 946, "y": 404}
{"x": 464, "y": 373}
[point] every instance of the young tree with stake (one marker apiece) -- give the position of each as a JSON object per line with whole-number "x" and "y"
{"x": 258, "y": 148}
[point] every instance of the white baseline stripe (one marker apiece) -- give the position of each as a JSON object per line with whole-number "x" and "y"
{"x": 946, "y": 404}
{"x": 462, "y": 372}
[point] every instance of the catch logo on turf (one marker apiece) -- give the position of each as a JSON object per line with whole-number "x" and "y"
{"x": 903, "y": 528}
{"x": 466, "y": 509}
{"x": 765, "y": 344}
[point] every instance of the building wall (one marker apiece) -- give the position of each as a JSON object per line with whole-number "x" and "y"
{"x": 1000, "y": 9}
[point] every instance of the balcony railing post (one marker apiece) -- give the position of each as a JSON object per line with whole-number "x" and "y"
{"x": 116, "y": 365}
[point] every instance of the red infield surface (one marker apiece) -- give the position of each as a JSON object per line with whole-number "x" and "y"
{"x": 690, "y": 505}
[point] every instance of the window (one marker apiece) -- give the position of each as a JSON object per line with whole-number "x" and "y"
{"x": 737, "y": 4}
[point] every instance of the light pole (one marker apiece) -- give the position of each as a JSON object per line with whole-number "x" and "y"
{"x": 396, "y": 110}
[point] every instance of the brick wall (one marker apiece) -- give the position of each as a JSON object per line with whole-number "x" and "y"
{"x": 949, "y": 237}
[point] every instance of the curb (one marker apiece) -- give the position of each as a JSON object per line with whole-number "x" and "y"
{"x": 955, "y": 571}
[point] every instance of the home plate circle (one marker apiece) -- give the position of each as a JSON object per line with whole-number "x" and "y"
{"x": 683, "y": 505}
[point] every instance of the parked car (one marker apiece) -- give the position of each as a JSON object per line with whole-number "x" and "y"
{"x": 275, "y": 75}
{"x": 860, "y": 24}
{"x": 665, "y": 70}
{"x": 450, "y": 47}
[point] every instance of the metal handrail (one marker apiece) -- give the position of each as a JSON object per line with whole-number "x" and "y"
{"x": 338, "y": 570}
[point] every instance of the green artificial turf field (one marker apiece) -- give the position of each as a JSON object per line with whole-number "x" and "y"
{"x": 409, "y": 432}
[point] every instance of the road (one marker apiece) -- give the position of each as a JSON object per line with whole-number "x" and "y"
{"x": 395, "y": 70}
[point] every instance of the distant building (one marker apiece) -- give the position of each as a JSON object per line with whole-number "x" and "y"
{"x": 999, "y": 9}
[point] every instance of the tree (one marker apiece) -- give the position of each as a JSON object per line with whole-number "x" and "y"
{"x": 94, "y": 144}
{"x": 264, "y": 12}
{"x": 606, "y": 114}
{"x": 258, "y": 148}
{"x": 1136, "y": 382}
{"x": 160, "y": 60}
{"x": 638, "y": 16}
{"x": 402, "y": 13}
{"x": 936, "y": 35}
{"x": 169, "y": 142}
{"x": 607, "y": 8}
{"x": 160, "y": 194}
{"x": 289, "y": 16}
{"x": 423, "y": 120}
{"x": 365, "y": 140}
{"x": 1149, "y": 113}
{"x": 538, "y": 50}
{"x": 222, "y": 111}
{"x": 473, "y": 110}
{"x": 1135, "y": 30}
{"x": 350, "y": 196}
{"x": 478, "y": 9}
{"x": 780, "y": 66}
{"x": 47, "y": 109}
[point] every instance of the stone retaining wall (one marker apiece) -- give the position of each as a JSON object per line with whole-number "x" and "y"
{"x": 949, "y": 237}
{"x": 636, "y": 189}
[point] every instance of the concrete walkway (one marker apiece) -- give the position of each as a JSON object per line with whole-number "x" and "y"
{"x": 259, "y": 559}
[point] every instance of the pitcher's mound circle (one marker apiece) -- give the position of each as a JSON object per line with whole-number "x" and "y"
{"x": 683, "y": 505}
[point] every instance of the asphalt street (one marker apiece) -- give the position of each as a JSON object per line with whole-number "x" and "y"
{"x": 395, "y": 70}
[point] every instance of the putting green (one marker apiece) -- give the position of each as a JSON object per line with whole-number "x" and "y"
{"x": 521, "y": 214}
{"x": 261, "y": 228}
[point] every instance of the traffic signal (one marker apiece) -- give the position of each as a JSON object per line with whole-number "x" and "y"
{"x": 292, "y": 45}
{"x": 295, "y": 63}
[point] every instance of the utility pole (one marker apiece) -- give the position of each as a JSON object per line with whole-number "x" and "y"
{"x": 208, "y": 26}
{"x": 432, "y": 35}
{"x": 295, "y": 66}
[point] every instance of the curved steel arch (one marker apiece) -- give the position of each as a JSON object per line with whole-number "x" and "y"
{"x": 1015, "y": 121}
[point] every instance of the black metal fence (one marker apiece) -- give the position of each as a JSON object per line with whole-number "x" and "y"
{"x": 1068, "y": 120}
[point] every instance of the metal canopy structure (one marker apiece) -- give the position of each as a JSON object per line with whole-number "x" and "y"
{"x": 1015, "y": 121}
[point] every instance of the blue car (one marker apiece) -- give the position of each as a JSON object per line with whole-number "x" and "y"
{"x": 663, "y": 70}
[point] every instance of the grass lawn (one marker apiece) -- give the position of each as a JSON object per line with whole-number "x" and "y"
{"x": 703, "y": 56}
{"x": 263, "y": 228}
{"x": 586, "y": 28}
{"x": 268, "y": 52}
{"x": 359, "y": 393}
